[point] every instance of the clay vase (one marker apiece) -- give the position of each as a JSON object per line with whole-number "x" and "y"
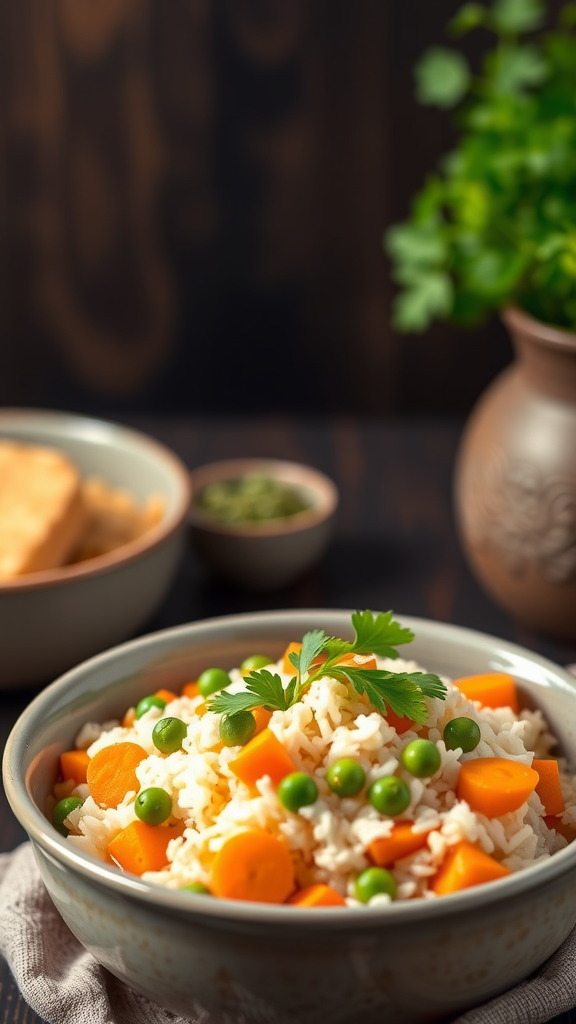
{"x": 515, "y": 480}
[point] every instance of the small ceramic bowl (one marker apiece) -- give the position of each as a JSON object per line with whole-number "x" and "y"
{"x": 416, "y": 962}
{"x": 271, "y": 553}
{"x": 51, "y": 620}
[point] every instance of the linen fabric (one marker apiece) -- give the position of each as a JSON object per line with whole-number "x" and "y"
{"x": 64, "y": 984}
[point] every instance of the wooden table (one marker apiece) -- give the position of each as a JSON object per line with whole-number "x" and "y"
{"x": 394, "y": 547}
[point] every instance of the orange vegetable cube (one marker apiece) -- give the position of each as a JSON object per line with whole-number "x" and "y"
{"x": 287, "y": 666}
{"x": 401, "y": 842}
{"x": 399, "y": 722}
{"x": 548, "y": 786}
{"x": 190, "y": 689}
{"x": 166, "y": 695}
{"x": 141, "y": 847}
{"x": 317, "y": 896}
{"x": 464, "y": 866}
{"x": 129, "y": 718}
{"x": 492, "y": 689}
{"x": 73, "y": 765}
{"x": 262, "y": 755}
{"x": 261, "y": 716}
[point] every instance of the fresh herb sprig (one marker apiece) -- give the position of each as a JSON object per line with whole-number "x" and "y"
{"x": 320, "y": 655}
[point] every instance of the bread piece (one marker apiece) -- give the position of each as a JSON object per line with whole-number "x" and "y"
{"x": 113, "y": 518}
{"x": 41, "y": 509}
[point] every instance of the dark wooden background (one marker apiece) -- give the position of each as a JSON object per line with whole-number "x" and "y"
{"x": 192, "y": 202}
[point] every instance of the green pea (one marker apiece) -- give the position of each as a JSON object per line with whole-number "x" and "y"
{"x": 212, "y": 680}
{"x": 297, "y": 790}
{"x": 372, "y": 882}
{"x": 153, "y": 805}
{"x": 146, "y": 703}
{"x": 254, "y": 662}
{"x": 421, "y": 758}
{"x": 235, "y": 730}
{"x": 168, "y": 733}
{"x": 389, "y": 795}
{"x": 62, "y": 810}
{"x": 461, "y": 732}
{"x": 346, "y": 777}
{"x": 202, "y": 890}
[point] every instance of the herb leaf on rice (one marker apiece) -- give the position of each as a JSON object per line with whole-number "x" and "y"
{"x": 403, "y": 692}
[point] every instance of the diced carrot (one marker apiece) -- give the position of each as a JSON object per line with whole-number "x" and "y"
{"x": 358, "y": 660}
{"x": 495, "y": 785}
{"x": 401, "y": 842}
{"x": 399, "y": 722}
{"x": 253, "y": 865}
{"x": 568, "y": 831}
{"x": 129, "y": 718}
{"x": 262, "y": 755}
{"x": 548, "y": 786}
{"x": 111, "y": 773}
{"x": 141, "y": 847}
{"x": 492, "y": 689}
{"x": 262, "y": 716}
{"x": 317, "y": 896}
{"x": 190, "y": 689}
{"x": 201, "y": 709}
{"x": 166, "y": 695}
{"x": 73, "y": 765}
{"x": 465, "y": 865}
{"x": 287, "y": 666}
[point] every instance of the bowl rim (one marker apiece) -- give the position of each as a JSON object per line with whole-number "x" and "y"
{"x": 296, "y": 473}
{"x": 40, "y": 832}
{"x": 90, "y": 426}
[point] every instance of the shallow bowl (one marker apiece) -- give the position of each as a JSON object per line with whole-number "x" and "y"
{"x": 53, "y": 619}
{"x": 421, "y": 961}
{"x": 267, "y": 554}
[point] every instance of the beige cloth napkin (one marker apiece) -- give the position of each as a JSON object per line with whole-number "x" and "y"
{"x": 65, "y": 985}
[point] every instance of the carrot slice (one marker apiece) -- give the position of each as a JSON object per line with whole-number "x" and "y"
{"x": 287, "y": 666}
{"x": 568, "y": 831}
{"x": 401, "y": 842}
{"x": 253, "y": 865}
{"x": 464, "y": 866}
{"x": 398, "y": 722}
{"x": 141, "y": 847}
{"x": 166, "y": 695}
{"x": 262, "y": 755}
{"x": 190, "y": 689}
{"x": 317, "y": 896}
{"x": 548, "y": 786}
{"x": 111, "y": 773}
{"x": 129, "y": 718}
{"x": 262, "y": 716}
{"x": 495, "y": 785}
{"x": 73, "y": 765}
{"x": 492, "y": 689}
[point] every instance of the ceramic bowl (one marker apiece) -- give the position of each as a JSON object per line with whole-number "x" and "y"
{"x": 53, "y": 619}
{"x": 267, "y": 554}
{"x": 410, "y": 963}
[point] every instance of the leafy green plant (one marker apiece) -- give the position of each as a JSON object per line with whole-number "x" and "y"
{"x": 495, "y": 223}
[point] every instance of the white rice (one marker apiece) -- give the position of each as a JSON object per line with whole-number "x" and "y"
{"x": 328, "y": 840}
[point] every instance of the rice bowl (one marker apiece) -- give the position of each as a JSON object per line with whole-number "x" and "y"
{"x": 287, "y": 963}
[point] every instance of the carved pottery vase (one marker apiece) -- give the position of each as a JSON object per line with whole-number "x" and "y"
{"x": 515, "y": 480}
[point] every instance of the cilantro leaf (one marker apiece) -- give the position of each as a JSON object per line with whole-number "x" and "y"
{"x": 402, "y": 691}
{"x": 378, "y": 635}
{"x": 442, "y": 77}
{"x": 312, "y": 645}
{"x": 427, "y": 295}
{"x": 468, "y": 17}
{"x": 262, "y": 689}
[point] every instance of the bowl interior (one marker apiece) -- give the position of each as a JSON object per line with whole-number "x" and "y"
{"x": 105, "y": 686}
{"x": 317, "y": 490}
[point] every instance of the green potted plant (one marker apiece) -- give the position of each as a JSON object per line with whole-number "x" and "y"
{"x": 493, "y": 230}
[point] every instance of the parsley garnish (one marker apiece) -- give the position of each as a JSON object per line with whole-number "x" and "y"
{"x": 403, "y": 692}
